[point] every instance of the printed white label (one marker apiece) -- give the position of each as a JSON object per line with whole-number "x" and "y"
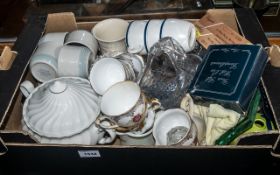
{"x": 89, "y": 153}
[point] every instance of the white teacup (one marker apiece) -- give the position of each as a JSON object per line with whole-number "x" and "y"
{"x": 107, "y": 72}
{"x": 153, "y": 32}
{"x": 57, "y": 37}
{"x": 135, "y": 37}
{"x": 74, "y": 61}
{"x": 43, "y": 63}
{"x": 180, "y": 30}
{"x": 110, "y": 34}
{"x": 126, "y": 105}
{"x": 174, "y": 127}
{"x": 82, "y": 37}
{"x": 142, "y": 136}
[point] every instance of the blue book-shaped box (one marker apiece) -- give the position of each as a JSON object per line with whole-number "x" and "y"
{"x": 229, "y": 75}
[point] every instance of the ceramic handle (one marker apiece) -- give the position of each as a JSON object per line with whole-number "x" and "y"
{"x": 154, "y": 104}
{"x": 26, "y": 88}
{"x": 100, "y": 121}
{"x": 112, "y": 135}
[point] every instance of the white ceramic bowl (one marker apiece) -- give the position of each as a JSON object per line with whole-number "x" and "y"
{"x": 61, "y": 107}
{"x": 84, "y": 38}
{"x": 167, "y": 120}
{"x": 105, "y": 73}
{"x": 120, "y": 98}
{"x": 110, "y": 34}
{"x": 135, "y": 37}
{"x": 180, "y": 30}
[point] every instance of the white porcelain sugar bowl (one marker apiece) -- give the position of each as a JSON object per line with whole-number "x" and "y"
{"x": 60, "y": 107}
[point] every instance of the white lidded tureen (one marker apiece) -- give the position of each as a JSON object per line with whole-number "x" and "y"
{"x": 60, "y": 107}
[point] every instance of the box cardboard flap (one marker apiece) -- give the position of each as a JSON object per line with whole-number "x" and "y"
{"x": 226, "y": 16}
{"x": 7, "y": 57}
{"x": 61, "y": 22}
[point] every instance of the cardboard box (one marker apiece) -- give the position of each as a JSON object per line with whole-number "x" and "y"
{"x": 19, "y": 150}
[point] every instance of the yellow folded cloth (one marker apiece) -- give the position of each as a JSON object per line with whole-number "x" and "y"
{"x": 217, "y": 119}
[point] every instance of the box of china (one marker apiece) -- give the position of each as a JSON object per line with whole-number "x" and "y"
{"x": 20, "y": 149}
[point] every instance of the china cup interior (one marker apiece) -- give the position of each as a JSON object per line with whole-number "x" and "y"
{"x": 110, "y": 30}
{"x": 105, "y": 73}
{"x": 120, "y": 98}
{"x": 167, "y": 120}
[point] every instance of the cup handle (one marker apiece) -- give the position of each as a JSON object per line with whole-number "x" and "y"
{"x": 187, "y": 104}
{"x": 154, "y": 104}
{"x": 112, "y": 135}
{"x": 100, "y": 121}
{"x": 26, "y": 88}
{"x": 134, "y": 50}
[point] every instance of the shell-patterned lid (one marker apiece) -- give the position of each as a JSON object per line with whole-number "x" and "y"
{"x": 61, "y": 107}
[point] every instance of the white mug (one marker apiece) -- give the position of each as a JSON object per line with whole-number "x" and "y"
{"x": 74, "y": 61}
{"x": 110, "y": 34}
{"x": 43, "y": 63}
{"x": 135, "y": 37}
{"x": 153, "y": 32}
{"x": 180, "y": 30}
{"x": 56, "y": 37}
{"x": 82, "y": 37}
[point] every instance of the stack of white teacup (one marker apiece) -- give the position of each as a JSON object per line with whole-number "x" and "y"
{"x": 113, "y": 76}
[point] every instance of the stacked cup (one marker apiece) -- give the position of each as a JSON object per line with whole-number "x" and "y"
{"x": 63, "y": 54}
{"x": 142, "y": 35}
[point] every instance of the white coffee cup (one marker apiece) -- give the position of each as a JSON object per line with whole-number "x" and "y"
{"x": 126, "y": 107}
{"x": 153, "y": 32}
{"x": 110, "y": 34}
{"x": 82, "y": 37}
{"x": 108, "y": 71}
{"x": 74, "y": 61}
{"x": 174, "y": 127}
{"x": 43, "y": 63}
{"x": 135, "y": 37}
{"x": 142, "y": 136}
{"x": 57, "y": 37}
{"x": 180, "y": 30}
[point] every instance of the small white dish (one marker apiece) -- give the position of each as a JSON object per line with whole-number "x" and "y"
{"x": 105, "y": 73}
